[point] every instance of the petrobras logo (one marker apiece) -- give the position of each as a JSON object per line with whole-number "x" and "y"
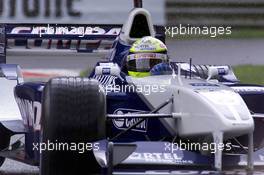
{"x": 65, "y": 30}
{"x": 123, "y": 124}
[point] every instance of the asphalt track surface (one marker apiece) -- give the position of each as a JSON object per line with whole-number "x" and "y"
{"x": 231, "y": 52}
{"x": 222, "y": 52}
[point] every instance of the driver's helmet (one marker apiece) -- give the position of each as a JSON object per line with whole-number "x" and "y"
{"x": 144, "y": 54}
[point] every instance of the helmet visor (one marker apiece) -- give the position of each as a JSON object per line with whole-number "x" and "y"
{"x": 144, "y": 62}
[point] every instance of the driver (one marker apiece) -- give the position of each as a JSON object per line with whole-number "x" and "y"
{"x": 147, "y": 56}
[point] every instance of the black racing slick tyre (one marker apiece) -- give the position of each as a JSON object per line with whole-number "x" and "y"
{"x": 73, "y": 114}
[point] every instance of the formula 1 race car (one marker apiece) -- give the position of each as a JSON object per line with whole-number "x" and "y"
{"x": 199, "y": 117}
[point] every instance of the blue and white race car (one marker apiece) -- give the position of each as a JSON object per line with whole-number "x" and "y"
{"x": 196, "y": 117}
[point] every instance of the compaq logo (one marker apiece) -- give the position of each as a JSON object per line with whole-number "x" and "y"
{"x": 123, "y": 124}
{"x": 65, "y": 30}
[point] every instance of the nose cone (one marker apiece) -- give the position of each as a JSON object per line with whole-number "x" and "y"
{"x": 231, "y": 109}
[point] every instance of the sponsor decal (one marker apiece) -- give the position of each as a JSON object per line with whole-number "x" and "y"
{"x": 106, "y": 71}
{"x": 41, "y": 9}
{"x": 2, "y": 49}
{"x": 147, "y": 55}
{"x": 70, "y": 30}
{"x": 159, "y": 158}
{"x": 145, "y": 47}
{"x": 148, "y": 44}
{"x": 204, "y": 85}
{"x": 123, "y": 124}
{"x": 2, "y": 43}
{"x": 221, "y": 71}
{"x": 31, "y": 112}
{"x": 249, "y": 89}
{"x": 2, "y": 30}
{"x": 205, "y": 172}
{"x": 70, "y": 36}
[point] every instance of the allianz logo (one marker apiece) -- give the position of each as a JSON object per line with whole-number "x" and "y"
{"x": 123, "y": 124}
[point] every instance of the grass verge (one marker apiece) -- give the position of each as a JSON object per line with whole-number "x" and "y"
{"x": 86, "y": 72}
{"x": 250, "y": 73}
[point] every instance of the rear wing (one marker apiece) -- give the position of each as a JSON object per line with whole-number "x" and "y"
{"x": 48, "y": 37}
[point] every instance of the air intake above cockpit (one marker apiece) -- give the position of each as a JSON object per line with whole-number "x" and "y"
{"x": 138, "y": 25}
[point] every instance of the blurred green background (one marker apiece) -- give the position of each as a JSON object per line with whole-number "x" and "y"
{"x": 245, "y": 16}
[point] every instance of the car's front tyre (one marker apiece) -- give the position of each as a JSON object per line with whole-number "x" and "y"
{"x": 73, "y": 112}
